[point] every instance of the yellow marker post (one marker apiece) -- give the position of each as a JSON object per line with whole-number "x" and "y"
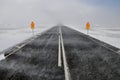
{"x": 32, "y": 27}
{"x": 87, "y": 27}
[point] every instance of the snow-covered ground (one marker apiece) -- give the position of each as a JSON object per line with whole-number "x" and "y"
{"x": 108, "y": 35}
{"x": 12, "y": 36}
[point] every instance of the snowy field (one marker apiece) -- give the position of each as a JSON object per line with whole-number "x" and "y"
{"x": 12, "y": 36}
{"x": 108, "y": 35}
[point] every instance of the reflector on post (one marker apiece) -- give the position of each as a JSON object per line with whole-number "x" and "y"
{"x": 32, "y": 27}
{"x": 87, "y": 27}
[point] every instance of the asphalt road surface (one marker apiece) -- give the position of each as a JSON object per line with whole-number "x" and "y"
{"x": 87, "y": 58}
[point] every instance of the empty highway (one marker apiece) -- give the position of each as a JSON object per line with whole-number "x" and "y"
{"x": 81, "y": 58}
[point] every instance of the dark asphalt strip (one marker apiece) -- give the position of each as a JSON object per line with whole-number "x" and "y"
{"x": 88, "y": 60}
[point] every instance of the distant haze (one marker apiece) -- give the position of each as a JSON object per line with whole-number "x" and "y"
{"x": 49, "y": 12}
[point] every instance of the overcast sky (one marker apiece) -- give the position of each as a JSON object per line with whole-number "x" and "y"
{"x": 73, "y": 12}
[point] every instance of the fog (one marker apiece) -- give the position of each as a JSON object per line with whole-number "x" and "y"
{"x": 50, "y": 12}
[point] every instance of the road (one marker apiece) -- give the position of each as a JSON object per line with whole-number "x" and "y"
{"x": 86, "y": 58}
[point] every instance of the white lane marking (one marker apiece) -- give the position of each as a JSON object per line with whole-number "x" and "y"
{"x": 21, "y": 46}
{"x": 17, "y": 46}
{"x": 59, "y": 53}
{"x": 17, "y": 49}
{"x": 2, "y": 56}
{"x": 101, "y": 44}
{"x": 66, "y": 68}
{"x": 12, "y": 52}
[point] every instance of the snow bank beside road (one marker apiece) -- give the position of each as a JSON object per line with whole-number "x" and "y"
{"x": 108, "y": 35}
{"x": 12, "y": 36}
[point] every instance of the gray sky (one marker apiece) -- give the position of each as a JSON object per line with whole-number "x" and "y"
{"x": 73, "y": 12}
